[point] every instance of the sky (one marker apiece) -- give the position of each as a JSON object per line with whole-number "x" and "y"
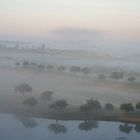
{"x": 39, "y": 19}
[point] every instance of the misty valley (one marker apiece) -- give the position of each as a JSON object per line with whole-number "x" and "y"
{"x": 68, "y": 94}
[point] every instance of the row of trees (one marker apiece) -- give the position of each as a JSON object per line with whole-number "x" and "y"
{"x": 74, "y": 69}
{"x": 60, "y": 105}
{"x": 128, "y": 107}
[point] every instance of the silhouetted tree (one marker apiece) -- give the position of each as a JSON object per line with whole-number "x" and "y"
{"x": 125, "y": 128}
{"x": 88, "y": 125}
{"x": 59, "y": 105}
{"x": 128, "y": 107}
{"x": 109, "y": 107}
{"x": 47, "y": 95}
{"x": 57, "y": 128}
{"x": 23, "y": 88}
{"x": 30, "y": 101}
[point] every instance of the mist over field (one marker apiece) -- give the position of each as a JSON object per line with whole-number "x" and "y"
{"x": 69, "y": 70}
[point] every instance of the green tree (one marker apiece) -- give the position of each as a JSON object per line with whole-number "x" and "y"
{"x": 128, "y": 107}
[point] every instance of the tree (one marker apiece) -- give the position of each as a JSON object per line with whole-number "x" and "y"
{"x": 128, "y": 107}
{"x": 101, "y": 76}
{"x": 138, "y": 106}
{"x": 25, "y": 64}
{"x": 75, "y": 69}
{"x": 59, "y": 105}
{"x": 117, "y": 75}
{"x": 50, "y": 67}
{"x": 109, "y": 107}
{"x": 131, "y": 79}
{"x": 47, "y": 95}
{"x": 30, "y": 101}
{"x": 94, "y": 104}
{"x": 61, "y": 68}
{"x": 86, "y": 70}
{"x": 23, "y": 88}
